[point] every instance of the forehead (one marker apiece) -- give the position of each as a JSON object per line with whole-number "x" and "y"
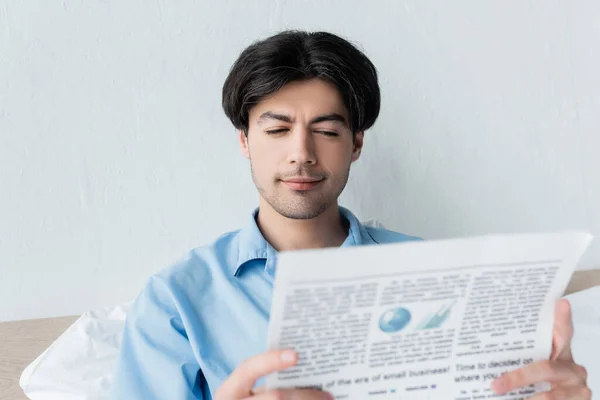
{"x": 309, "y": 98}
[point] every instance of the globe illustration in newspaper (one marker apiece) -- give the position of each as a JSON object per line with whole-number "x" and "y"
{"x": 394, "y": 320}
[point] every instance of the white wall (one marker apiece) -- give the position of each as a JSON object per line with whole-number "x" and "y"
{"x": 115, "y": 156}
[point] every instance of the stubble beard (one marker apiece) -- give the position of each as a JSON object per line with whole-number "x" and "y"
{"x": 300, "y": 204}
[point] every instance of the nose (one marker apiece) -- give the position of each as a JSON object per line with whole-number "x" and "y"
{"x": 302, "y": 147}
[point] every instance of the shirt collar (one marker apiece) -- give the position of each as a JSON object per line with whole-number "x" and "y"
{"x": 252, "y": 245}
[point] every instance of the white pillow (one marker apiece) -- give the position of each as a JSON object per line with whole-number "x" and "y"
{"x": 586, "y": 342}
{"x": 79, "y": 364}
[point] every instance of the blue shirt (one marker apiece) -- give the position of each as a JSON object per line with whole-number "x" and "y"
{"x": 195, "y": 321}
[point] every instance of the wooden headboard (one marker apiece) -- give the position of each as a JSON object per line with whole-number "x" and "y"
{"x": 22, "y": 341}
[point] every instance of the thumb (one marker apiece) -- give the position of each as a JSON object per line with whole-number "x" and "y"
{"x": 562, "y": 333}
{"x": 241, "y": 381}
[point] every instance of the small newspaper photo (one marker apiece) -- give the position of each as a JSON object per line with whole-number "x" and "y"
{"x": 431, "y": 320}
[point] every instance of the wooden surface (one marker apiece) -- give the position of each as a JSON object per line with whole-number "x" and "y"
{"x": 22, "y": 341}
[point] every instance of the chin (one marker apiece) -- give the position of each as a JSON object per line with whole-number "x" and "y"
{"x": 307, "y": 212}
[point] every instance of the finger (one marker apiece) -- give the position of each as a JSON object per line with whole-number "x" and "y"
{"x": 565, "y": 393}
{"x": 542, "y": 371}
{"x": 291, "y": 394}
{"x": 244, "y": 377}
{"x": 562, "y": 333}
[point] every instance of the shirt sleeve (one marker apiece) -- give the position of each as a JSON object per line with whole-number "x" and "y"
{"x": 156, "y": 360}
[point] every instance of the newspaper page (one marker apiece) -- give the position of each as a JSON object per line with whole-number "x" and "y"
{"x": 420, "y": 320}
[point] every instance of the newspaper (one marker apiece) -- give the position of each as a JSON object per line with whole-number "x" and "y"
{"x": 420, "y": 320}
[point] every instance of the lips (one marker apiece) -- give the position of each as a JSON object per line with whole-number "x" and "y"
{"x": 302, "y": 184}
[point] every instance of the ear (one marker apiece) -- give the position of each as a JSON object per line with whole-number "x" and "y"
{"x": 243, "y": 144}
{"x": 358, "y": 145}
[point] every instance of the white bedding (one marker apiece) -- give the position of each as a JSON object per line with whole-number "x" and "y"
{"x": 79, "y": 364}
{"x": 586, "y": 342}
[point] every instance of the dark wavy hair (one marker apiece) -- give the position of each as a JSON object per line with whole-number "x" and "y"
{"x": 267, "y": 65}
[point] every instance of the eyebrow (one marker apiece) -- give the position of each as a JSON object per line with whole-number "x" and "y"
{"x": 286, "y": 118}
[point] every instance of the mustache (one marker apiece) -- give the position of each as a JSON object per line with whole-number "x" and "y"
{"x": 302, "y": 173}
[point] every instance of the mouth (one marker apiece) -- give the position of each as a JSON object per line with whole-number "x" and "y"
{"x": 302, "y": 183}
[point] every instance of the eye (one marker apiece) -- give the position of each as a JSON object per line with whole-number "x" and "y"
{"x": 275, "y": 131}
{"x": 328, "y": 133}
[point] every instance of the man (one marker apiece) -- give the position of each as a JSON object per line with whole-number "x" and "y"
{"x": 301, "y": 103}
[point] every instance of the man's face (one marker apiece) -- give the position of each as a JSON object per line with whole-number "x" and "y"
{"x": 300, "y": 148}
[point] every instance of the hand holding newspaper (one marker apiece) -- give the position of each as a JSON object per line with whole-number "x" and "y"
{"x": 420, "y": 320}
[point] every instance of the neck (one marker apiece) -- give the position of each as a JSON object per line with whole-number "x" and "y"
{"x": 326, "y": 230}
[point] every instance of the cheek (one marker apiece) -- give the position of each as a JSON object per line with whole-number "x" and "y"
{"x": 265, "y": 156}
{"x": 335, "y": 158}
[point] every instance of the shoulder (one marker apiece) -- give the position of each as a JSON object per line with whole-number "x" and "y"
{"x": 382, "y": 236}
{"x": 201, "y": 268}
{"x": 181, "y": 292}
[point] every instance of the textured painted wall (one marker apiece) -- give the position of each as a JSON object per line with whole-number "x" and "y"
{"x": 115, "y": 156}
